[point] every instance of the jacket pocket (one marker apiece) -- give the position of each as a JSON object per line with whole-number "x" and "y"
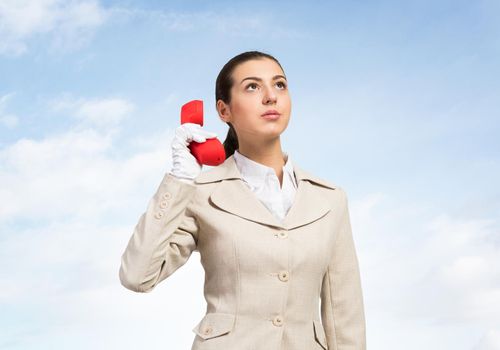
{"x": 319, "y": 334}
{"x": 214, "y": 324}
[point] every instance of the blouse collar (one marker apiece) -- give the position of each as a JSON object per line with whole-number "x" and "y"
{"x": 255, "y": 173}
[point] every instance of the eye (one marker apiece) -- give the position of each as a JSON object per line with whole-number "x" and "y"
{"x": 282, "y": 83}
{"x": 251, "y": 84}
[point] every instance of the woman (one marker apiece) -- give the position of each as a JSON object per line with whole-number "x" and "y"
{"x": 275, "y": 241}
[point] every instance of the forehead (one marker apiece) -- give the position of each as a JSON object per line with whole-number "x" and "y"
{"x": 263, "y": 68}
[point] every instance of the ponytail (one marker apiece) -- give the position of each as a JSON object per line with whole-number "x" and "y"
{"x": 231, "y": 141}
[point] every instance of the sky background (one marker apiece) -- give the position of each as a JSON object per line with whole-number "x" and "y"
{"x": 398, "y": 102}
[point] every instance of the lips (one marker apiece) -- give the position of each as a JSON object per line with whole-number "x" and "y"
{"x": 271, "y": 116}
{"x": 271, "y": 112}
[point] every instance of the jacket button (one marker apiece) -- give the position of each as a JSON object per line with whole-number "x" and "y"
{"x": 207, "y": 330}
{"x": 163, "y": 204}
{"x": 159, "y": 214}
{"x": 283, "y": 234}
{"x": 278, "y": 321}
{"x": 283, "y": 276}
{"x": 167, "y": 195}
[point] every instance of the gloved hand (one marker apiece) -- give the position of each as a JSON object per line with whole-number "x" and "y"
{"x": 184, "y": 164}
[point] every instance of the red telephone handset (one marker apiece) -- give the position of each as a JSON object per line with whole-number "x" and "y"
{"x": 211, "y": 152}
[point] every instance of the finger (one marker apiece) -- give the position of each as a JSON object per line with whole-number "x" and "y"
{"x": 199, "y": 138}
{"x": 206, "y": 133}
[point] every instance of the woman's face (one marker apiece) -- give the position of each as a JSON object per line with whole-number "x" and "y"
{"x": 259, "y": 85}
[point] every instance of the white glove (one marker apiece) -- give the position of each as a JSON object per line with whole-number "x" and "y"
{"x": 184, "y": 165}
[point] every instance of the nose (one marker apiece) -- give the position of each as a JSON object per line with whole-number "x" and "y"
{"x": 269, "y": 96}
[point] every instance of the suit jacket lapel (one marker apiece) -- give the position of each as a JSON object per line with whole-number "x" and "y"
{"x": 232, "y": 195}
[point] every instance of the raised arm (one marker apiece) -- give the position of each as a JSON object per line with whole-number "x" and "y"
{"x": 164, "y": 237}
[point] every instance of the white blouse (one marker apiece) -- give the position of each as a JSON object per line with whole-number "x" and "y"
{"x": 263, "y": 181}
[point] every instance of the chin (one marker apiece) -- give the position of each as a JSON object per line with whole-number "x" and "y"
{"x": 273, "y": 133}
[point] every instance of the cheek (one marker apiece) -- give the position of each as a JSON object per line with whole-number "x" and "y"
{"x": 288, "y": 101}
{"x": 246, "y": 106}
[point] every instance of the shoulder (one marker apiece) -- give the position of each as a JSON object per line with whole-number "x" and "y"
{"x": 303, "y": 174}
{"x": 319, "y": 181}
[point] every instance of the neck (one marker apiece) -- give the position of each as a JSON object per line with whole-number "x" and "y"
{"x": 268, "y": 154}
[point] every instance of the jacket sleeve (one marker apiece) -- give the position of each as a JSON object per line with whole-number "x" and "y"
{"x": 342, "y": 310}
{"x": 164, "y": 237}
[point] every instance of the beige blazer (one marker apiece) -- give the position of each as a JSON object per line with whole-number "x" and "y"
{"x": 268, "y": 285}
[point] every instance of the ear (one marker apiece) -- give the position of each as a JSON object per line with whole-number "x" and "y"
{"x": 224, "y": 111}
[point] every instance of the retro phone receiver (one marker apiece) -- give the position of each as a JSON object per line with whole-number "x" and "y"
{"x": 211, "y": 152}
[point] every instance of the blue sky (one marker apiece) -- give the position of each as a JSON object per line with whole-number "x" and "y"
{"x": 397, "y": 102}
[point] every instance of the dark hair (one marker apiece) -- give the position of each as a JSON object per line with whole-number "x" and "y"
{"x": 223, "y": 86}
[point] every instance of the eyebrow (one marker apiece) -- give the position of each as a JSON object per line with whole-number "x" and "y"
{"x": 259, "y": 79}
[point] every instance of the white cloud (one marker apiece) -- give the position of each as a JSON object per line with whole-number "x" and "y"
{"x": 72, "y": 208}
{"x": 65, "y": 275}
{"x": 230, "y": 22}
{"x": 70, "y": 24}
{"x": 420, "y": 267}
{"x": 490, "y": 341}
{"x": 98, "y": 112}
{"x": 73, "y": 174}
{"x": 79, "y": 162}
{"x": 104, "y": 111}
{"x": 467, "y": 256}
